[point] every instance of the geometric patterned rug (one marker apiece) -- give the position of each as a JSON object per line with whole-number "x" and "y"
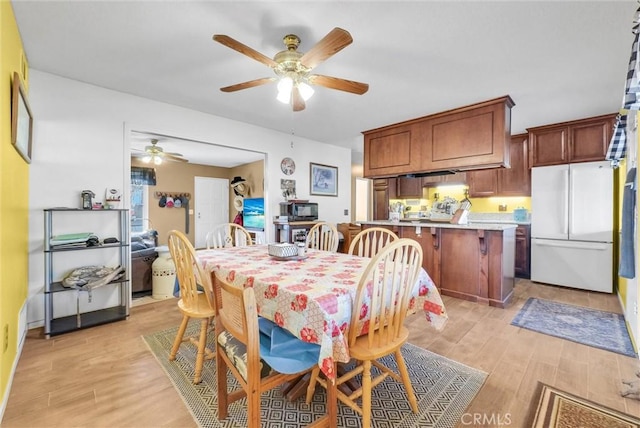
{"x": 591, "y": 327}
{"x": 555, "y": 409}
{"x": 444, "y": 389}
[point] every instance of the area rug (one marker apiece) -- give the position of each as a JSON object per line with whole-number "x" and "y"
{"x": 553, "y": 408}
{"x": 600, "y": 329}
{"x": 444, "y": 389}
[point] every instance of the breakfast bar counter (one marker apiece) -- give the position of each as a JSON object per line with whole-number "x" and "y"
{"x": 473, "y": 261}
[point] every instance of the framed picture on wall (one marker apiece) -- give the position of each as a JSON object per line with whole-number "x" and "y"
{"x": 21, "y": 119}
{"x": 323, "y": 180}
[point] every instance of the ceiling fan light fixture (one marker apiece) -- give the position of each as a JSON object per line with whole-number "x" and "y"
{"x": 157, "y": 160}
{"x": 285, "y": 85}
{"x": 306, "y": 91}
{"x": 146, "y": 159}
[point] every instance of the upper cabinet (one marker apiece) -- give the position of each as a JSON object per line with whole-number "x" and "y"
{"x": 466, "y": 138}
{"x": 583, "y": 140}
{"x": 514, "y": 181}
{"x": 392, "y": 151}
{"x": 409, "y": 187}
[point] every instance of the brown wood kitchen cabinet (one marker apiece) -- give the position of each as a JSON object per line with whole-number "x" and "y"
{"x": 478, "y": 265}
{"x": 583, "y": 140}
{"x": 470, "y": 137}
{"x": 514, "y": 181}
{"x": 438, "y": 180}
{"x": 470, "y": 263}
{"x": 429, "y": 239}
{"x": 383, "y": 190}
{"x": 392, "y": 151}
{"x": 409, "y": 187}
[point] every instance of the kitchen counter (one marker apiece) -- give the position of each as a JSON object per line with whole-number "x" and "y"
{"x": 493, "y": 225}
{"x": 474, "y": 261}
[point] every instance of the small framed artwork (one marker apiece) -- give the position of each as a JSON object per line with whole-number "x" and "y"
{"x": 21, "y": 119}
{"x": 323, "y": 180}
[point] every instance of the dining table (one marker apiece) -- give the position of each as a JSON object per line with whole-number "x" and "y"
{"x": 312, "y": 298}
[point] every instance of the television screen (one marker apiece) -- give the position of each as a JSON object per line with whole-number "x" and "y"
{"x": 253, "y": 214}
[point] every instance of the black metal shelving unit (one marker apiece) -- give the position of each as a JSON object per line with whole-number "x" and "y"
{"x": 54, "y": 325}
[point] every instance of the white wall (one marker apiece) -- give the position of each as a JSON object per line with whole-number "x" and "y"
{"x": 81, "y": 142}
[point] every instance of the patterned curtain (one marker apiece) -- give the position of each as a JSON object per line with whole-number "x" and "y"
{"x": 630, "y": 100}
{"x": 140, "y": 176}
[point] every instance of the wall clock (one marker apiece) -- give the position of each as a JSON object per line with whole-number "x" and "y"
{"x": 288, "y": 166}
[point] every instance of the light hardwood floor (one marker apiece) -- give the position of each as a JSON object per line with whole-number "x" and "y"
{"x": 106, "y": 377}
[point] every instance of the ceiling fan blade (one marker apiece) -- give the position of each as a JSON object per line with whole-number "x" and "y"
{"x": 249, "y": 84}
{"x": 339, "y": 84}
{"x": 169, "y": 157}
{"x": 296, "y": 99}
{"x": 244, "y": 49}
{"x": 332, "y": 43}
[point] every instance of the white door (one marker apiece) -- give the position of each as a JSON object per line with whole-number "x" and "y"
{"x": 550, "y": 202}
{"x": 211, "y": 206}
{"x": 591, "y": 204}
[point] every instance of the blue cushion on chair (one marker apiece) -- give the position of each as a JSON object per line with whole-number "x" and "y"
{"x": 283, "y": 351}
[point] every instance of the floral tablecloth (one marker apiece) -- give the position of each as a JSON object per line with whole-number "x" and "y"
{"x": 311, "y": 298}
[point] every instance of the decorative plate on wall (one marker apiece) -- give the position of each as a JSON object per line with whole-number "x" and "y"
{"x": 288, "y": 166}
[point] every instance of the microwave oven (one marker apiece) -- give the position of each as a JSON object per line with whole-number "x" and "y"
{"x": 299, "y": 211}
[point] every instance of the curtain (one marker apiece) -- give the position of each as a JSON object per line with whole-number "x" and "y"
{"x": 140, "y": 175}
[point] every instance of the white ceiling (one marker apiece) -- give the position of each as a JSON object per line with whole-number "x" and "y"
{"x": 558, "y": 60}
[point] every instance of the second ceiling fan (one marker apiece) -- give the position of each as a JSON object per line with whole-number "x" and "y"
{"x": 293, "y": 68}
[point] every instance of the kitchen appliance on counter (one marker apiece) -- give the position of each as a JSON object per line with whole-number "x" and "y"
{"x": 299, "y": 210}
{"x": 572, "y": 225}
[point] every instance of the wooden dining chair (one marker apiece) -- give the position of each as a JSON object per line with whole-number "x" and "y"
{"x": 323, "y": 236}
{"x": 196, "y": 298}
{"x": 228, "y": 235}
{"x": 238, "y": 350}
{"x": 370, "y": 241}
{"x": 385, "y": 289}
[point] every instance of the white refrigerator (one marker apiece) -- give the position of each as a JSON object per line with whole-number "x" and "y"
{"x": 572, "y": 225}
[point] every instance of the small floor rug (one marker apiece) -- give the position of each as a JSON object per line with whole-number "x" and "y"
{"x": 444, "y": 389}
{"x": 600, "y": 329}
{"x": 553, "y": 408}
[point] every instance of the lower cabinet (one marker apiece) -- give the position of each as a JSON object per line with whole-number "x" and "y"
{"x": 470, "y": 264}
{"x": 349, "y": 231}
{"x": 429, "y": 239}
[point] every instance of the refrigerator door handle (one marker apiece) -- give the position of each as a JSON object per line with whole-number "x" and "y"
{"x": 567, "y": 215}
{"x": 572, "y": 244}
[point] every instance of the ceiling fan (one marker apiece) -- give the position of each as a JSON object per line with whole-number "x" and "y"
{"x": 293, "y": 68}
{"x": 156, "y": 155}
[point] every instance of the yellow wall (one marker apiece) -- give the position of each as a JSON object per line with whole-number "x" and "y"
{"x": 478, "y": 205}
{"x": 14, "y": 199}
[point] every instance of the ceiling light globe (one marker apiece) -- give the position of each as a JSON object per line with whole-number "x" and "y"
{"x": 306, "y": 91}
{"x": 146, "y": 159}
{"x": 284, "y": 90}
{"x": 157, "y": 160}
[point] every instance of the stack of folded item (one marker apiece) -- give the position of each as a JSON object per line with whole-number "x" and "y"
{"x": 70, "y": 240}
{"x": 90, "y": 277}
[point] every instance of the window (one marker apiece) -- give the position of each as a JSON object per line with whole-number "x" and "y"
{"x": 141, "y": 179}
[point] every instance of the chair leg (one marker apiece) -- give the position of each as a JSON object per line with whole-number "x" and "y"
{"x": 402, "y": 367}
{"x": 253, "y": 406}
{"x": 223, "y": 402}
{"x": 366, "y": 394}
{"x": 178, "y": 340}
{"x": 311, "y": 389}
{"x": 202, "y": 343}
